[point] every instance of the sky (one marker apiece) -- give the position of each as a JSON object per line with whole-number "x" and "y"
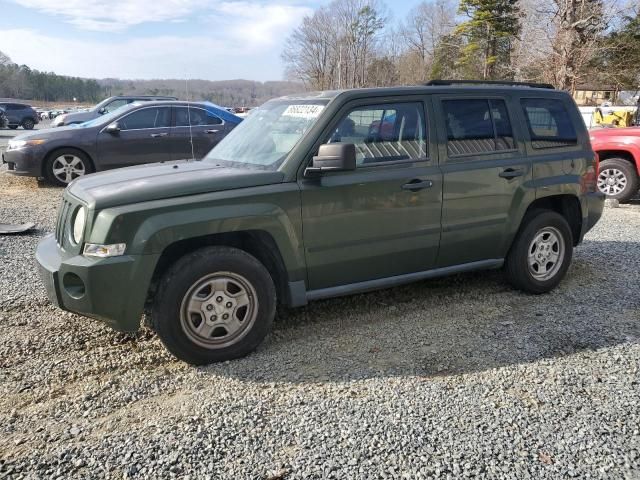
{"x": 142, "y": 39}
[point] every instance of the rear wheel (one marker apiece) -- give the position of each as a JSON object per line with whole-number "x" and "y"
{"x": 541, "y": 253}
{"x": 28, "y": 124}
{"x": 212, "y": 305}
{"x": 618, "y": 179}
{"x": 65, "y": 165}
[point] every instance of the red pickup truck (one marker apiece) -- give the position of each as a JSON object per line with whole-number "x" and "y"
{"x": 619, "y": 152}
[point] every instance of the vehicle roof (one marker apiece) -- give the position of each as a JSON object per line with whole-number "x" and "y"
{"x": 423, "y": 89}
{"x": 218, "y": 110}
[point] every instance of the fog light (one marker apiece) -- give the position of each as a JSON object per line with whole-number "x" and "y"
{"x": 73, "y": 285}
{"x": 103, "y": 251}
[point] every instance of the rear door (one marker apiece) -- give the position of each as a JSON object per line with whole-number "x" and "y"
{"x": 383, "y": 219}
{"x": 197, "y": 126}
{"x": 487, "y": 176}
{"x": 144, "y": 137}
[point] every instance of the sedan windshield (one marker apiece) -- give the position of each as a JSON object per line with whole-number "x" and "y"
{"x": 109, "y": 117}
{"x": 268, "y": 134}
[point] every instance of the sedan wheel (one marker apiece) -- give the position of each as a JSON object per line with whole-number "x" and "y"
{"x": 68, "y": 167}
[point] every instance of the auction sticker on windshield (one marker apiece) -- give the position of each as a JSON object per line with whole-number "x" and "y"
{"x": 303, "y": 111}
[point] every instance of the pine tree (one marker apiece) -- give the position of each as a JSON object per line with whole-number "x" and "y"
{"x": 488, "y": 34}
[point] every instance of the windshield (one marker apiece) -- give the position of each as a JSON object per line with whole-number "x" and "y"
{"x": 268, "y": 134}
{"x": 108, "y": 117}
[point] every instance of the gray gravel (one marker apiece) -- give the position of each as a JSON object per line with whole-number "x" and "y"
{"x": 459, "y": 377}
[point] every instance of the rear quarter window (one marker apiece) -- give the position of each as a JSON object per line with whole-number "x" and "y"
{"x": 549, "y": 123}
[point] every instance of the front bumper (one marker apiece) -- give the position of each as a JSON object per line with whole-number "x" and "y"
{"x": 112, "y": 290}
{"x": 24, "y": 161}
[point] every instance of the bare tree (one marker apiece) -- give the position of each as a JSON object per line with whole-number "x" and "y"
{"x": 424, "y": 28}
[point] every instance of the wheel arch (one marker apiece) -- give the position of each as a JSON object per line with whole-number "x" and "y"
{"x": 617, "y": 153}
{"x": 567, "y": 205}
{"x": 258, "y": 243}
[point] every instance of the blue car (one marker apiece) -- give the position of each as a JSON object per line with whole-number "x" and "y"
{"x": 134, "y": 134}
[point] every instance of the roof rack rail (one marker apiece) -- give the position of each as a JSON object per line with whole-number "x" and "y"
{"x": 433, "y": 83}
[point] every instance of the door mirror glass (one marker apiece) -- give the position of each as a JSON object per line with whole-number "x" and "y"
{"x": 113, "y": 128}
{"x": 333, "y": 157}
{"x": 102, "y": 111}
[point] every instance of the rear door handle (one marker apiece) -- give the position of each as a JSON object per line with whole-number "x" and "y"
{"x": 211, "y": 131}
{"x": 156, "y": 135}
{"x": 511, "y": 173}
{"x": 417, "y": 184}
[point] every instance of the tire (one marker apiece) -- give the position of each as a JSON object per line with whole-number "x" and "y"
{"x": 79, "y": 162}
{"x": 618, "y": 179}
{"x": 28, "y": 124}
{"x": 13, "y": 127}
{"x": 200, "y": 284}
{"x": 543, "y": 233}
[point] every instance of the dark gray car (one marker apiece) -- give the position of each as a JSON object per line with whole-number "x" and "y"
{"x": 132, "y": 135}
{"x": 107, "y": 105}
{"x": 20, "y": 115}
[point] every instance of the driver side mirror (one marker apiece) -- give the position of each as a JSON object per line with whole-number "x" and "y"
{"x": 333, "y": 157}
{"x": 102, "y": 111}
{"x": 113, "y": 128}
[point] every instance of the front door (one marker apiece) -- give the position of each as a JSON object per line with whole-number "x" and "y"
{"x": 144, "y": 137}
{"x": 198, "y": 127}
{"x": 383, "y": 219}
{"x": 485, "y": 175}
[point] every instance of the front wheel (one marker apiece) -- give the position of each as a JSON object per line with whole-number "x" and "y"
{"x": 28, "y": 124}
{"x": 541, "y": 253}
{"x": 65, "y": 165}
{"x": 212, "y": 305}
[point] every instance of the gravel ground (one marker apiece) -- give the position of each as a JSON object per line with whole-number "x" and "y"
{"x": 459, "y": 377}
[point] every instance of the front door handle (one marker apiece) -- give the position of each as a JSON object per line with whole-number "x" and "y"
{"x": 156, "y": 135}
{"x": 417, "y": 184}
{"x": 211, "y": 131}
{"x": 510, "y": 173}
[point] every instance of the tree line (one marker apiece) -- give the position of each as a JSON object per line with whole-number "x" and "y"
{"x": 355, "y": 43}
{"x": 20, "y": 81}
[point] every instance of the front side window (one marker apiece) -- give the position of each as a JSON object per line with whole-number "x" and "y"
{"x": 477, "y": 126}
{"x": 146, "y": 118}
{"x": 549, "y": 123}
{"x": 198, "y": 116}
{"x": 384, "y": 133}
{"x": 268, "y": 134}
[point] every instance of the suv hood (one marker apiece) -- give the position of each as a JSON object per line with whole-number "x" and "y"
{"x": 157, "y": 181}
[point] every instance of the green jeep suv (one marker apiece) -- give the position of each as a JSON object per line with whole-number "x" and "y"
{"x": 327, "y": 194}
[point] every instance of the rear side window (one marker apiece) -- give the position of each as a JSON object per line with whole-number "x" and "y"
{"x": 549, "y": 123}
{"x": 198, "y": 117}
{"x": 476, "y": 126}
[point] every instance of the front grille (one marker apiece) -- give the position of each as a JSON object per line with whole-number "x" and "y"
{"x": 63, "y": 220}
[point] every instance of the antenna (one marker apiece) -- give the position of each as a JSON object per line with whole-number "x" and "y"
{"x": 186, "y": 84}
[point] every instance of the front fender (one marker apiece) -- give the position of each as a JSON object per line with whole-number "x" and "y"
{"x": 148, "y": 228}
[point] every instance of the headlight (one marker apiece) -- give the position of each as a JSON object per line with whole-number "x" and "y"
{"x": 78, "y": 224}
{"x": 15, "y": 144}
{"x": 103, "y": 251}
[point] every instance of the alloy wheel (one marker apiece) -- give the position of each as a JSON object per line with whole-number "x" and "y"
{"x": 612, "y": 181}
{"x": 68, "y": 167}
